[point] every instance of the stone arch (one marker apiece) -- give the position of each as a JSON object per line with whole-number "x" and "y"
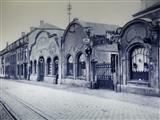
{"x": 36, "y": 38}
{"x": 135, "y": 21}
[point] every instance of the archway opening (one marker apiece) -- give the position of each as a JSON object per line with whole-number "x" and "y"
{"x": 81, "y": 65}
{"x": 70, "y": 65}
{"x": 41, "y": 68}
{"x": 35, "y": 66}
{"x": 49, "y": 66}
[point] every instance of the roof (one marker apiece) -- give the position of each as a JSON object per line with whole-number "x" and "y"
{"x": 152, "y": 8}
{"x": 47, "y": 25}
{"x": 43, "y": 26}
{"x": 98, "y": 28}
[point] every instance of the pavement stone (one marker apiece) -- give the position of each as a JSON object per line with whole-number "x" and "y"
{"x": 4, "y": 115}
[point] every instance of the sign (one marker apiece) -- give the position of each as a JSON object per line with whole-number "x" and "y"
{"x": 88, "y": 51}
{"x": 86, "y": 41}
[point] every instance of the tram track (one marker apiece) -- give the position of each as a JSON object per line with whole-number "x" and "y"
{"x": 29, "y": 107}
{"x": 6, "y": 112}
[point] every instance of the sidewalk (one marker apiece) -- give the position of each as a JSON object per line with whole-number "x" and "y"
{"x": 104, "y": 93}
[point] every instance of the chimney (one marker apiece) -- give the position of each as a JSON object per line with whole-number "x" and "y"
{"x": 41, "y": 22}
{"x": 7, "y": 44}
{"x": 23, "y": 34}
{"x": 31, "y": 28}
{"x": 74, "y": 19}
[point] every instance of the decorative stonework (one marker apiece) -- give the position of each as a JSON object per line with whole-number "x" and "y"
{"x": 135, "y": 31}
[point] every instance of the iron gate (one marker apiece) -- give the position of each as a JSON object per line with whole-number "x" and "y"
{"x": 104, "y": 75}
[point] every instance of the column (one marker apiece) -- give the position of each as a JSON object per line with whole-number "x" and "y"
{"x": 88, "y": 68}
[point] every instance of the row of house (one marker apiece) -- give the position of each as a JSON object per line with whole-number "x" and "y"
{"x": 91, "y": 54}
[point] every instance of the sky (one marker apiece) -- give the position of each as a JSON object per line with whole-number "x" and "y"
{"x": 18, "y": 16}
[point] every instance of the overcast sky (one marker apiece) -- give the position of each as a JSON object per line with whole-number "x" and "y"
{"x": 18, "y": 15}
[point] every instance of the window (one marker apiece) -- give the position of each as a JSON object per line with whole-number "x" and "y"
{"x": 81, "y": 65}
{"x": 114, "y": 62}
{"x": 35, "y": 66}
{"x": 70, "y": 65}
{"x": 139, "y": 63}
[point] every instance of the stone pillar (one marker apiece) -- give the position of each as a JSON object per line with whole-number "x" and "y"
{"x": 60, "y": 69}
{"x": 74, "y": 69}
{"x": 60, "y": 63}
{"x": 93, "y": 71}
{"x": 88, "y": 68}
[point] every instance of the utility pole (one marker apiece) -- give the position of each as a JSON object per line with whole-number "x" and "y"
{"x": 69, "y": 8}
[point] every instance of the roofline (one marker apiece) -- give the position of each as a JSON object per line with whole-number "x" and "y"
{"x": 132, "y": 22}
{"x": 151, "y": 9}
{"x": 26, "y": 35}
{"x": 75, "y": 21}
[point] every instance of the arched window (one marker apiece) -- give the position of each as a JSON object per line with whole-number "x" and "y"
{"x": 35, "y": 66}
{"x": 55, "y": 64}
{"x": 70, "y": 65}
{"x": 139, "y": 65}
{"x": 31, "y": 64}
{"x": 49, "y": 66}
{"x": 81, "y": 65}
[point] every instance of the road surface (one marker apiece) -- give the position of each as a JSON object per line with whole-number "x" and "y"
{"x": 33, "y": 102}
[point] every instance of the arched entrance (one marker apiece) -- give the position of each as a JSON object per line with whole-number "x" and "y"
{"x": 139, "y": 63}
{"x": 81, "y": 65}
{"x": 41, "y": 68}
{"x": 69, "y": 65}
{"x": 48, "y": 66}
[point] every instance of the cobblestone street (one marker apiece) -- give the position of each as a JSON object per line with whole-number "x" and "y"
{"x": 4, "y": 115}
{"x": 31, "y": 102}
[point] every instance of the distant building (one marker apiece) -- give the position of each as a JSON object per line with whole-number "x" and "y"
{"x": 44, "y": 44}
{"x": 14, "y": 59}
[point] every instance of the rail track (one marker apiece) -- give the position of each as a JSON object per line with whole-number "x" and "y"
{"x": 5, "y": 113}
{"x": 37, "y": 112}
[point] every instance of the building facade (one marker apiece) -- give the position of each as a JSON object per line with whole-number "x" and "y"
{"x": 79, "y": 67}
{"x": 44, "y": 44}
{"x": 14, "y": 59}
{"x": 91, "y": 55}
{"x": 139, "y": 51}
